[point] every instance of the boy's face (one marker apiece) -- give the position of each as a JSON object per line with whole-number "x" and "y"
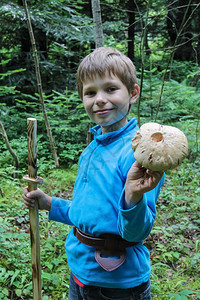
{"x": 106, "y": 101}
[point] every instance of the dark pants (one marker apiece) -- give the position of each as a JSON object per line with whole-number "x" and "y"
{"x": 141, "y": 292}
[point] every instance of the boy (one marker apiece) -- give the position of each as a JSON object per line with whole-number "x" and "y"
{"x": 113, "y": 207}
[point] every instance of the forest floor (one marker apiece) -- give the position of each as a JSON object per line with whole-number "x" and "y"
{"x": 174, "y": 242}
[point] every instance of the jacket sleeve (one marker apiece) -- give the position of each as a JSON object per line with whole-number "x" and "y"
{"x": 60, "y": 210}
{"x": 135, "y": 224}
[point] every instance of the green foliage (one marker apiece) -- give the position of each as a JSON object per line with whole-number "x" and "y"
{"x": 59, "y": 30}
{"x": 179, "y": 100}
{"x": 64, "y": 34}
{"x": 69, "y": 124}
{"x": 11, "y": 73}
{"x": 15, "y": 267}
{"x": 174, "y": 242}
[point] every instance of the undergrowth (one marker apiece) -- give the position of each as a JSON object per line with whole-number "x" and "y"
{"x": 174, "y": 242}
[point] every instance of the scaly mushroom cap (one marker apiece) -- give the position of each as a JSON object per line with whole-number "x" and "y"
{"x": 159, "y": 147}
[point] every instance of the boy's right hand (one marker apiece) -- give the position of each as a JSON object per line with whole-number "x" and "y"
{"x": 29, "y": 199}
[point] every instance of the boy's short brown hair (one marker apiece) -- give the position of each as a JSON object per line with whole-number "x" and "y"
{"x": 103, "y": 60}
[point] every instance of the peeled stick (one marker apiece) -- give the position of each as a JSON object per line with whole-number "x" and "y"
{"x": 159, "y": 147}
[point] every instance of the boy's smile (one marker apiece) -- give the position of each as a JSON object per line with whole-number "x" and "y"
{"x": 107, "y": 101}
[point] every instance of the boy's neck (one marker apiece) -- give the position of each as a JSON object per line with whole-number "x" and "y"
{"x": 115, "y": 126}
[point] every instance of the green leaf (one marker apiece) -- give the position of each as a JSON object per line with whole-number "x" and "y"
{"x": 5, "y": 291}
{"x": 9, "y": 73}
{"x": 18, "y": 292}
{"x": 186, "y": 292}
{"x": 14, "y": 276}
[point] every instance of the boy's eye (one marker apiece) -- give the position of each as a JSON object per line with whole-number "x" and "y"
{"x": 111, "y": 89}
{"x": 89, "y": 93}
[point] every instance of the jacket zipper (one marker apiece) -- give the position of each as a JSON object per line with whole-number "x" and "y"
{"x": 85, "y": 178}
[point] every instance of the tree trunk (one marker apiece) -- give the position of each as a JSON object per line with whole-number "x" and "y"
{"x": 96, "y": 11}
{"x": 131, "y": 7}
{"x": 39, "y": 83}
{"x": 143, "y": 53}
{"x": 3, "y": 133}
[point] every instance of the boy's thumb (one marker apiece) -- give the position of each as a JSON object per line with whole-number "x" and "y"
{"x": 33, "y": 194}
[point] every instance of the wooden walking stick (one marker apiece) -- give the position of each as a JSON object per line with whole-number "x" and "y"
{"x": 33, "y": 180}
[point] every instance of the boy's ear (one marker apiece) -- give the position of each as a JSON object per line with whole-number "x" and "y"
{"x": 135, "y": 94}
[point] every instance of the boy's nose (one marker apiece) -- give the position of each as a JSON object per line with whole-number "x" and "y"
{"x": 100, "y": 99}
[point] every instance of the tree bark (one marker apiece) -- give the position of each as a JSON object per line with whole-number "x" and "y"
{"x": 131, "y": 7}
{"x": 143, "y": 53}
{"x": 98, "y": 28}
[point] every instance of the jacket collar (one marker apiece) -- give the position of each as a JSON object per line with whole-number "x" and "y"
{"x": 106, "y": 137}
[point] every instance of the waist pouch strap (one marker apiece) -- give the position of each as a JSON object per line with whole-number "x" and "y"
{"x": 110, "y": 251}
{"x": 110, "y": 263}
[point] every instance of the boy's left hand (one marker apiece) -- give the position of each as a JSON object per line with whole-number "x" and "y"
{"x": 139, "y": 181}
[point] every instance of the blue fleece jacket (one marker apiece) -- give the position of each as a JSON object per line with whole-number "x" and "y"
{"x": 98, "y": 207}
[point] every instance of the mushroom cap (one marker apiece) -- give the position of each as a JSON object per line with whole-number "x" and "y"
{"x": 159, "y": 147}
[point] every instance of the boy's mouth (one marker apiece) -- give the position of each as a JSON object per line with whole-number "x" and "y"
{"x": 102, "y": 111}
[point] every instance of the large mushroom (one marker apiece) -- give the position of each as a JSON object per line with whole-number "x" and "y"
{"x": 159, "y": 147}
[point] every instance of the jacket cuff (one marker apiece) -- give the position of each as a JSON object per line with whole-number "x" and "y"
{"x": 60, "y": 210}
{"x": 122, "y": 203}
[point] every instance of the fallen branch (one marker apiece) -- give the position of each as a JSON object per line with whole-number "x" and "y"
{"x": 3, "y": 133}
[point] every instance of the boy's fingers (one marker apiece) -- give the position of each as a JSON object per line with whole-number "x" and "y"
{"x": 156, "y": 177}
{"x": 136, "y": 164}
{"x": 29, "y": 205}
{"x": 28, "y": 202}
{"x": 25, "y": 190}
{"x": 29, "y": 198}
{"x": 154, "y": 173}
{"x": 32, "y": 194}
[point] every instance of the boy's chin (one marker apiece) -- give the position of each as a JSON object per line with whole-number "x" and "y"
{"x": 113, "y": 126}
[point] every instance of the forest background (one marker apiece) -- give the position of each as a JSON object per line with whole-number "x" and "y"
{"x": 162, "y": 37}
